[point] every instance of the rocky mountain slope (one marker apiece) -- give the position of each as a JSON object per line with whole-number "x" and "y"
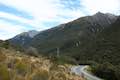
{"x": 24, "y": 38}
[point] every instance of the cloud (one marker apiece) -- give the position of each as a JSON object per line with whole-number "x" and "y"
{"x": 8, "y": 30}
{"x": 105, "y": 6}
{"x": 14, "y": 11}
{"x": 43, "y": 14}
{"x": 10, "y": 16}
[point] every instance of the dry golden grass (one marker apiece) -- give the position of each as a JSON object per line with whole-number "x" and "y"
{"x": 14, "y": 66}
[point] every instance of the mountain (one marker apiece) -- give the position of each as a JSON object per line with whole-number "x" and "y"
{"x": 104, "y": 51}
{"x": 108, "y": 43}
{"x": 73, "y": 35}
{"x": 70, "y": 38}
{"x": 24, "y": 38}
{"x": 105, "y": 46}
{"x": 90, "y": 40}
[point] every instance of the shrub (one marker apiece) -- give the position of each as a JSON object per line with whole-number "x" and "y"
{"x": 64, "y": 60}
{"x": 58, "y": 72}
{"x": 6, "y": 44}
{"x": 2, "y": 57}
{"x": 58, "y": 75}
{"x": 32, "y": 51}
{"x": 21, "y": 68}
{"x": 41, "y": 75}
{"x": 105, "y": 70}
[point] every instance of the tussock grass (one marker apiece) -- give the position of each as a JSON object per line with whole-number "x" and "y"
{"x": 25, "y": 67}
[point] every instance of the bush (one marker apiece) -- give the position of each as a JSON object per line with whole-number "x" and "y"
{"x": 41, "y": 75}
{"x": 32, "y": 51}
{"x": 64, "y": 60}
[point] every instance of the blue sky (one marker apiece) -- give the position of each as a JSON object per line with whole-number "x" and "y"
{"x": 17, "y": 16}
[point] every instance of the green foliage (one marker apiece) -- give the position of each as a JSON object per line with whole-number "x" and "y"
{"x": 106, "y": 52}
{"x": 105, "y": 70}
{"x": 64, "y": 60}
{"x": 5, "y": 44}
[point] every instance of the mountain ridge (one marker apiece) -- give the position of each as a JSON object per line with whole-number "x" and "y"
{"x": 84, "y": 28}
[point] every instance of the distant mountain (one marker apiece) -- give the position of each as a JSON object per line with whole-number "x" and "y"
{"x": 24, "y": 38}
{"x": 75, "y": 34}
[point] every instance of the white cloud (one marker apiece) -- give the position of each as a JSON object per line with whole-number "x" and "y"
{"x": 10, "y": 16}
{"x": 40, "y": 9}
{"x": 7, "y": 30}
{"x": 105, "y": 6}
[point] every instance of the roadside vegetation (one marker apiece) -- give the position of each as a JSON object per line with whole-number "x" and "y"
{"x": 106, "y": 71}
{"x": 15, "y": 65}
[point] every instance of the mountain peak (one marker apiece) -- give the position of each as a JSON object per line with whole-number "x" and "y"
{"x": 99, "y": 13}
{"x": 105, "y": 14}
{"x": 30, "y": 33}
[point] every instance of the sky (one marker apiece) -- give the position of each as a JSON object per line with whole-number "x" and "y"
{"x": 17, "y": 16}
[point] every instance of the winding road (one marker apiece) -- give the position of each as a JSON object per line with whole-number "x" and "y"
{"x": 80, "y": 70}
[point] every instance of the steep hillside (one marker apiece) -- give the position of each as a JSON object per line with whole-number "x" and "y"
{"x": 107, "y": 43}
{"x": 77, "y": 34}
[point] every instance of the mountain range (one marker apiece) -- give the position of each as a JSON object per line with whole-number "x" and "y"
{"x": 72, "y": 38}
